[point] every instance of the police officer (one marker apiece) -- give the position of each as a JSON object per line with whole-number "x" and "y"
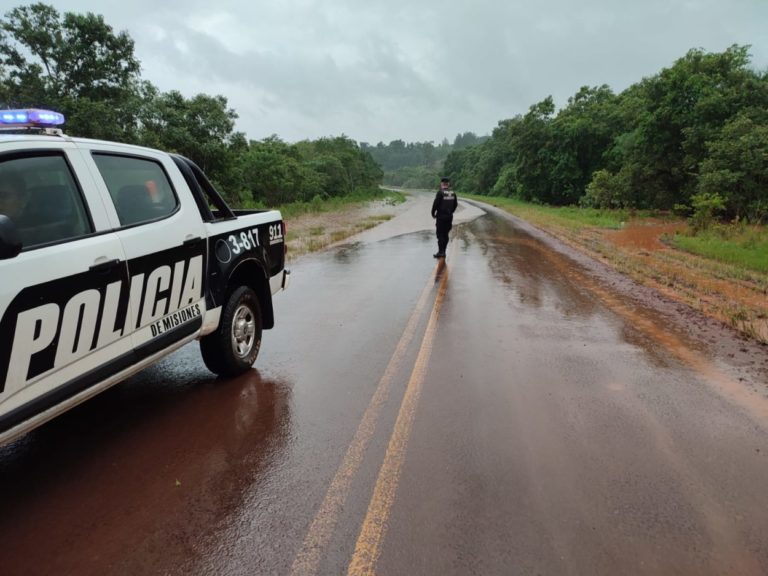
{"x": 442, "y": 211}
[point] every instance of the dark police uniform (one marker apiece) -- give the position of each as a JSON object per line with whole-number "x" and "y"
{"x": 442, "y": 211}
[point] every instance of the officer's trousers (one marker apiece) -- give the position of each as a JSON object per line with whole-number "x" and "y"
{"x": 443, "y": 227}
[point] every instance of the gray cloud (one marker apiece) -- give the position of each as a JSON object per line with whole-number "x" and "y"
{"x": 414, "y": 70}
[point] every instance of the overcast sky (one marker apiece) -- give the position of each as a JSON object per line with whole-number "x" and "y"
{"x": 412, "y": 69}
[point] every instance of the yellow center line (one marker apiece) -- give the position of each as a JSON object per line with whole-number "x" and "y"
{"x": 374, "y": 527}
{"x": 320, "y": 531}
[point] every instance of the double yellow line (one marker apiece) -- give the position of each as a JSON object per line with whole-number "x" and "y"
{"x": 372, "y": 533}
{"x": 374, "y": 528}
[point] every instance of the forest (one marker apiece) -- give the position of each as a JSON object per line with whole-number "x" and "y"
{"x": 692, "y": 139}
{"x": 417, "y": 164}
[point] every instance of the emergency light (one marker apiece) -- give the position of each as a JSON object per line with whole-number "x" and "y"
{"x": 30, "y": 118}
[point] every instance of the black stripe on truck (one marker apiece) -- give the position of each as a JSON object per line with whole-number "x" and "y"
{"x": 92, "y": 378}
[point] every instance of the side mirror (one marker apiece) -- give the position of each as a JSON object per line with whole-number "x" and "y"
{"x": 10, "y": 242}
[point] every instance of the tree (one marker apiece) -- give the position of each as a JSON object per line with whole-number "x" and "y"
{"x": 737, "y": 167}
{"x": 465, "y": 140}
{"x": 534, "y": 158}
{"x": 582, "y": 131}
{"x": 672, "y": 115}
{"x": 74, "y": 63}
{"x": 273, "y": 173}
{"x": 201, "y": 128}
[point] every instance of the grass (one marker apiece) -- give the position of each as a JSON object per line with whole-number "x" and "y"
{"x": 338, "y": 235}
{"x": 742, "y": 246}
{"x": 571, "y": 217}
{"x": 378, "y": 218}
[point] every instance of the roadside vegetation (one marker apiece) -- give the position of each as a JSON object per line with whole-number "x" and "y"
{"x": 740, "y": 245}
{"x": 571, "y": 217}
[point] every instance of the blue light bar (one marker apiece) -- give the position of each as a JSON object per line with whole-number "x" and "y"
{"x": 30, "y": 117}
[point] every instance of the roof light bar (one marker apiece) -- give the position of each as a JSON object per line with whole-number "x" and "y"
{"x": 30, "y": 117}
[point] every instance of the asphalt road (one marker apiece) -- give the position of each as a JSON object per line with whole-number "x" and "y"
{"x": 499, "y": 413}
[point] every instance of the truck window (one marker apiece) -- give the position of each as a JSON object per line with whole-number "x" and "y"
{"x": 139, "y": 188}
{"x": 40, "y": 195}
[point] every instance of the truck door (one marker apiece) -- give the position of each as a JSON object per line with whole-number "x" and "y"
{"x": 163, "y": 237}
{"x": 63, "y": 299}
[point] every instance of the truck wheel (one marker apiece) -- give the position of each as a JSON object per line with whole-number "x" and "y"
{"x": 233, "y": 347}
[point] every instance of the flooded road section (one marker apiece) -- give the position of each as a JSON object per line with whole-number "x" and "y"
{"x": 498, "y": 413}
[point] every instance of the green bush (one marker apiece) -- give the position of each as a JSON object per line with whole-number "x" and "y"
{"x": 706, "y": 207}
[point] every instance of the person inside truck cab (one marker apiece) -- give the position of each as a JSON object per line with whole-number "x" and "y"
{"x": 13, "y": 197}
{"x": 154, "y": 192}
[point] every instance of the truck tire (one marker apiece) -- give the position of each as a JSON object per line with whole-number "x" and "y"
{"x": 232, "y": 349}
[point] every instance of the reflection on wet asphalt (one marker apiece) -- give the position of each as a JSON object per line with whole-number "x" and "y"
{"x": 554, "y": 434}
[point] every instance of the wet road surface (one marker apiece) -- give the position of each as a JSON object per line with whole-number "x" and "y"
{"x": 502, "y": 413}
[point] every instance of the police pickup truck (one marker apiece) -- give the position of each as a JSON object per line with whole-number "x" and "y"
{"x": 111, "y": 257}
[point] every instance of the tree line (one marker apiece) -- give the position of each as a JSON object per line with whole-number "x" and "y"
{"x": 78, "y": 65}
{"x": 417, "y": 164}
{"x": 691, "y": 138}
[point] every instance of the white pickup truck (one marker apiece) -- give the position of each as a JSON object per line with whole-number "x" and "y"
{"x": 111, "y": 257}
